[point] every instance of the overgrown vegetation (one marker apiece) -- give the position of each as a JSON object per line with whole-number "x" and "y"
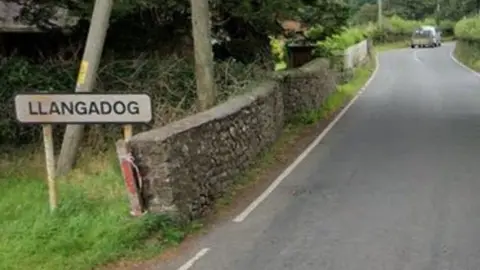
{"x": 467, "y": 49}
{"x": 169, "y": 80}
{"x": 338, "y": 43}
{"x": 468, "y": 29}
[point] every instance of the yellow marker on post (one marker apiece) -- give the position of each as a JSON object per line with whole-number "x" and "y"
{"x": 82, "y": 73}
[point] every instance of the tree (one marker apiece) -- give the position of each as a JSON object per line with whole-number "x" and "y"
{"x": 457, "y": 9}
{"x": 413, "y": 9}
{"x": 367, "y": 13}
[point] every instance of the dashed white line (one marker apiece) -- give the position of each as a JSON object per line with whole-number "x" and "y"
{"x": 461, "y": 64}
{"x": 195, "y": 258}
{"x": 242, "y": 216}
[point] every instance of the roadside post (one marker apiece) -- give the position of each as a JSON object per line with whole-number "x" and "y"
{"x": 47, "y": 109}
{"x": 50, "y": 164}
{"x": 127, "y": 132}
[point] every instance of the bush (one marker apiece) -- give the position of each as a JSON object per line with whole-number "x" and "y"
{"x": 279, "y": 53}
{"x": 468, "y": 29}
{"x": 336, "y": 44}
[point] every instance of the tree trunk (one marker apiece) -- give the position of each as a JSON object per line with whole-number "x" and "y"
{"x": 206, "y": 90}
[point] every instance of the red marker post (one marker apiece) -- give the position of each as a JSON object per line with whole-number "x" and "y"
{"x": 131, "y": 178}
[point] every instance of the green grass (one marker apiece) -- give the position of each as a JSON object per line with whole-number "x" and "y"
{"x": 280, "y": 66}
{"x": 91, "y": 226}
{"x": 392, "y": 46}
{"x": 349, "y": 90}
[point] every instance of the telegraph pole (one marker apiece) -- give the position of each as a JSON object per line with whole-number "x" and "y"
{"x": 86, "y": 79}
{"x": 206, "y": 89}
{"x": 437, "y": 17}
{"x": 380, "y": 14}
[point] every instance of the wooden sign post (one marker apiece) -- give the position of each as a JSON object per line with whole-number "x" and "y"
{"x": 50, "y": 164}
{"x": 47, "y": 109}
{"x": 127, "y": 132}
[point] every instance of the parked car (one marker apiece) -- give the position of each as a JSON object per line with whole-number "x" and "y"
{"x": 426, "y": 37}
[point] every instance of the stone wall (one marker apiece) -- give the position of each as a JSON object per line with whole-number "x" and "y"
{"x": 188, "y": 164}
{"x": 297, "y": 86}
{"x": 355, "y": 55}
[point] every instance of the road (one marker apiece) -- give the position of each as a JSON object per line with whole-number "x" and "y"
{"x": 394, "y": 185}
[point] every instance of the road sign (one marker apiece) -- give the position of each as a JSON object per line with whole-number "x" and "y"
{"x": 83, "y": 108}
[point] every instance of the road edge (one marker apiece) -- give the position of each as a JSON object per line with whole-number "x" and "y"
{"x": 458, "y": 62}
{"x": 255, "y": 203}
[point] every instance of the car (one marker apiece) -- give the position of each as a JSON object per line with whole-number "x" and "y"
{"x": 426, "y": 37}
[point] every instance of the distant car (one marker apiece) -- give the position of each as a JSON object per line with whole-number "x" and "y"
{"x": 426, "y": 37}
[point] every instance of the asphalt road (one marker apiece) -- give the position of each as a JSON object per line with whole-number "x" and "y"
{"x": 395, "y": 185}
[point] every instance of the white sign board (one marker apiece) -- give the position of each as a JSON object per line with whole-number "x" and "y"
{"x": 83, "y": 108}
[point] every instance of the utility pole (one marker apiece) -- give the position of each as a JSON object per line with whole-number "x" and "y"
{"x": 206, "y": 89}
{"x": 86, "y": 80}
{"x": 437, "y": 17}
{"x": 380, "y": 14}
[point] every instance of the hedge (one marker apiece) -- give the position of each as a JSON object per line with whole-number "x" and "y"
{"x": 467, "y": 49}
{"x": 398, "y": 29}
{"x": 340, "y": 42}
{"x": 468, "y": 29}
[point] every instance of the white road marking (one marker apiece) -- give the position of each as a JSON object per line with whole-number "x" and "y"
{"x": 462, "y": 65}
{"x": 195, "y": 258}
{"x": 415, "y": 56}
{"x": 242, "y": 216}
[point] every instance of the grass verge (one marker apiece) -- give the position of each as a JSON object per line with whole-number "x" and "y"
{"x": 392, "y": 46}
{"x": 92, "y": 226}
{"x": 468, "y": 52}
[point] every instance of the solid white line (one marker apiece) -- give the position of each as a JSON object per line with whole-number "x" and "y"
{"x": 462, "y": 65}
{"x": 195, "y": 258}
{"x": 242, "y": 216}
